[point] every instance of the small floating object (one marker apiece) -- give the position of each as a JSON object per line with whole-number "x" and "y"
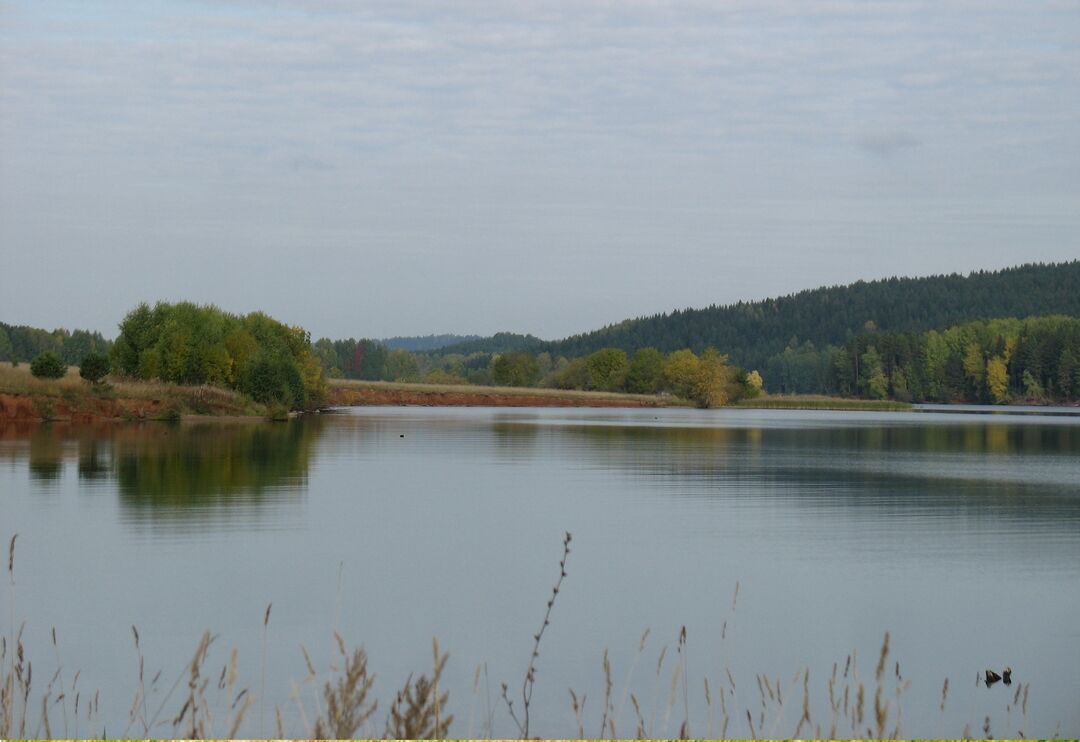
{"x": 401, "y": 436}
{"x": 991, "y": 678}
{"x": 1006, "y": 676}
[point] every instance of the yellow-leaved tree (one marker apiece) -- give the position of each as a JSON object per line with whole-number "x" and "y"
{"x": 997, "y": 380}
{"x": 755, "y": 382}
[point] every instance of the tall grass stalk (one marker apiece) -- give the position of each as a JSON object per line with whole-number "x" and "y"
{"x": 530, "y": 673}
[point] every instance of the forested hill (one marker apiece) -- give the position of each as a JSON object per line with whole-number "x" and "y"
{"x": 752, "y": 332}
{"x": 500, "y": 342}
{"x": 421, "y": 343}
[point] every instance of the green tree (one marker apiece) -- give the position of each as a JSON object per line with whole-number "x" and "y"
{"x": 975, "y": 367}
{"x": 898, "y": 381}
{"x": 273, "y": 380}
{"x": 1068, "y": 371}
{"x": 48, "y": 366}
{"x": 401, "y": 365}
{"x": 515, "y": 369}
{"x": 185, "y": 343}
{"x": 843, "y": 371}
{"x": 7, "y": 350}
{"x": 872, "y": 375}
{"x": 607, "y": 369}
{"x": 1032, "y": 388}
{"x": 681, "y": 372}
{"x": 646, "y": 372}
{"x": 574, "y": 375}
{"x": 94, "y": 367}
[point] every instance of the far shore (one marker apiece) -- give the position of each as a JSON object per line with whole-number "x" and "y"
{"x": 71, "y": 399}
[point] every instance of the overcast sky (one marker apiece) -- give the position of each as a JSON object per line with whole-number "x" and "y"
{"x": 384, "y": 168}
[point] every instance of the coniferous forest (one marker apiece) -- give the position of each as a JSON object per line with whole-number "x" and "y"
{"x": 753, "y": 332}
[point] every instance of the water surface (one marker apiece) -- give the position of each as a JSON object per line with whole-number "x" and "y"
{"x": 959, "y": 534}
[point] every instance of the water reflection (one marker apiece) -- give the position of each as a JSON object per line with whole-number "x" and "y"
{"x": 178, "y": 471}
{"x": 1022, "y": 454}
{"x": 94, "y": 464}
{"x": 185, "y": 468}
{"x": 46, "y": 458}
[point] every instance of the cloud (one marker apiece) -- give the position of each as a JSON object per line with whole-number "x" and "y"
{"x": 886, "y": 144}
{"x": 518, "y": 134}
{"x": 309, "y": 163}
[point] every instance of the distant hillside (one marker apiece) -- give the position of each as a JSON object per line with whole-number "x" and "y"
{"x": 424, "y": 343}
{"x": 500, "y": 342}
{"x": 752, "y": 332}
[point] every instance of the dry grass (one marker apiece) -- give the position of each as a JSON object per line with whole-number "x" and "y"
{"x": 418, "y": 711}
{"x": 821, "y": 402}
{"x": 19, "y": 380}
{"x": 656, "y": 400}
{"x": 80, "y": 394}
{"x": 347, "y": 704}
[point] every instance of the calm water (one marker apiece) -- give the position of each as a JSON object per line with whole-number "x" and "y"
{"x": 959, "y": 534}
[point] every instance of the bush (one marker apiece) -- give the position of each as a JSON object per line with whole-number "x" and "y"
{"x": 277, "y": 413}
{"x": 94, "y": 367}
{"x": 48, "y": 366}
{"x": 271, "y": 381}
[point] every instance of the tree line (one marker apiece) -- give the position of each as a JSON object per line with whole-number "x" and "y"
{"x": 756, "y": 333}
{"x": 22, "y": 344}
{"x": 707, "y": 379}
{"x": 809, "y": 342}
{"x": 1035, "y": 359}
{"x": 984, "y": 361}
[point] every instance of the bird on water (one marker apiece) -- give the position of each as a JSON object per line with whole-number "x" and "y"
{"x": 991, "y": 678}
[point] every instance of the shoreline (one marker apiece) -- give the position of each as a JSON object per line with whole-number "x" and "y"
{"x": 73, "y": 401}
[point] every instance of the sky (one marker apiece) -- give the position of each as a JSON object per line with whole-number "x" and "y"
{"x": 370, "y": 169}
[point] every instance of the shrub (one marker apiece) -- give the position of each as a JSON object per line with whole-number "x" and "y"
{"x": 271, "y": 381}
{"x": 94, "y": 367}
{"x": 277, "y": 413}
{"x": 48, "y": 366}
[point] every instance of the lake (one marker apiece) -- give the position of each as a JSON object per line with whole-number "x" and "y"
{"x": 783, "y": 541}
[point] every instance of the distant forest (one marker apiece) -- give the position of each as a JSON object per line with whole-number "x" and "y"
{"x": 991, "y": 336}
{"x": 753, "y": 332}
{"x": 24, "y": 344}
{"x": 798, "y": 342}
{"x": 1036, "y": 359}
{"x": 422, "y": 343}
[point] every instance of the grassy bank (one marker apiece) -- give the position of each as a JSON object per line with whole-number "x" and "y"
{"x": 820, "y": 402}
{"x": 71, "y": 397}
{"x": 348, "y": 392}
